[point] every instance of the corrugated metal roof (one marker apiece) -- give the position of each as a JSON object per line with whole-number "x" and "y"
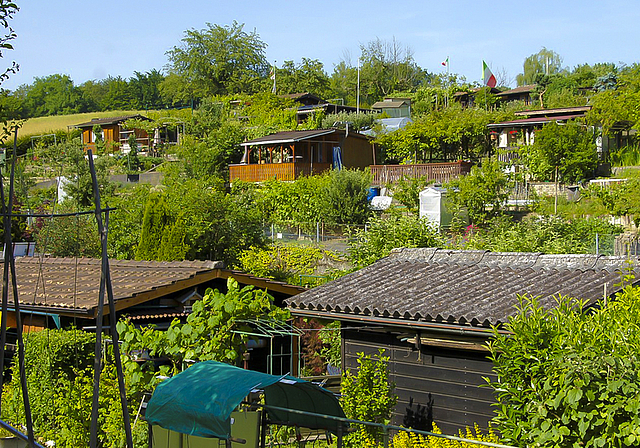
{"x": 474, "y": 288}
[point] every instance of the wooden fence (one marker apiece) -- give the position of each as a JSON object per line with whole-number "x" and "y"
{"x": 280, "y": 171}
{"x": 437, "y": 172}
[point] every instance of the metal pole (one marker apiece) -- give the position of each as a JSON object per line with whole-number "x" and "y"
{"x": 9, "y": 263}
{"x": 105, "y": 283}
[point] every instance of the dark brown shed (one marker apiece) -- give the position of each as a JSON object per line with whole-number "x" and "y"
{"x": 432, "y": 311}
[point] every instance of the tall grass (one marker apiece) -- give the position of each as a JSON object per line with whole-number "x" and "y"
{"x": 48, "y": 125}
{"x": 626, "y": 156}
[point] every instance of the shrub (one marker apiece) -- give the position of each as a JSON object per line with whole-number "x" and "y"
{"x": 58, "y": 364}
{"x": 384, "y": 234}
{"x": 344, "y": 197}
{"x": 368, "y": 396}
{"x": 412, "y": 440}
{"x": 280, "y": 262}
{"x": 567, "y": 377}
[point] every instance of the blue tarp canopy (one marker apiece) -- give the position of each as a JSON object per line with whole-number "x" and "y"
{"x": 199, "y": 400}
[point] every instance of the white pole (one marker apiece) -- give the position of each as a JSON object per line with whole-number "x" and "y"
{"x": 358, "y": 90}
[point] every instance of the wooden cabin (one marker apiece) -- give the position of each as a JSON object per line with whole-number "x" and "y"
{"x": 113, "y": 132}
{"x": 290, "y": 154}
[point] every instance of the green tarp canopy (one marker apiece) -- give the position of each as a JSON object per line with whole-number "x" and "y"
{"x": 199, "y": 400}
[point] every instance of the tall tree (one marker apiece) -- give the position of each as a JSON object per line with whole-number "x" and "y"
{"x": 219, "y": 60}
{"x": 52, "y": 95}
{"x": 386, "y": 67}
{"x": 93, "y": 93}
{"x": 544, "y": 62}
{"x": 145, "y": 89}
{"x": 307, "y": 76}
{"x": 119, "y": 95}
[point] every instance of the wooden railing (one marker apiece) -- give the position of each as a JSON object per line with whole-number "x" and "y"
{"x": 280, "y": 171}
{"x": 437, "y": 172}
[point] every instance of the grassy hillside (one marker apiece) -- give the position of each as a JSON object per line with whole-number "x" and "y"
{"x": 46, "y": 125}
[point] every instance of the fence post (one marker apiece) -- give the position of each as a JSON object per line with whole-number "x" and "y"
{"x": 317, "y": 231}
{"x": 385, "y": 436}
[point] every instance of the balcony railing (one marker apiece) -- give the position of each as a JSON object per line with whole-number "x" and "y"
{"x": 279, "y": 171}
{"x": 435, "y": 172}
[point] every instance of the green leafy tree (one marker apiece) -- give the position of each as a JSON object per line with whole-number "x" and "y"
{"x": 298, "y": 202}
{"x": 407, "y": 192}
{"x": 51, "y": 95}
{"x": 218, "y": 60}
{"x": 306, "y": 76}
{"x": 443, "y": 135}
{"x": 119, "y": 95}
{"x": 344, "y": 197}
{"x": 482, "y": 193}
{"x": 269, "y": 113}
{"x": 93, "y": 93}
{"x": 69, "y": 236}
{"x": 568, "y": 148}
{"x": 125, "y": 221}
{"x": 544, "y": 62}
{"x": 368, "y": 395}
{"x": 145, "y": 89}
{"x": 568, "y": 377}
{"x": 388, "y": 67}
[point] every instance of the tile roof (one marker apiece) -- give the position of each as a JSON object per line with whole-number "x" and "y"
{"x": 469, "y": 288}
{"x": 61, "y": 284}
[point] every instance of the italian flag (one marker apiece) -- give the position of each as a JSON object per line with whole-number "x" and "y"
{"x": 489, "y": 79}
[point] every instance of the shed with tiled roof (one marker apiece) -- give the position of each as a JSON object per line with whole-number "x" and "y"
{"x": 68, "y": 288}
{"x": 113, "y": 132}
{"x": 432, "y": 311}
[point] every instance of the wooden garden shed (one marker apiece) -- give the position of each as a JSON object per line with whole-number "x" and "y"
{"x": 113, "y": 132}
{"x": 431, "y": 311}
{"x": 288, "y": 155}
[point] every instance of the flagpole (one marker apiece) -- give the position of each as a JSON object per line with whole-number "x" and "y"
{"x": 446, "y": 98}
{"x": 358, "y": 89}
{"x": 273, "y": 90}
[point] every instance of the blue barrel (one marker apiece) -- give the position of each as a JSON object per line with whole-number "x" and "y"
{"x": 373, "y": 192}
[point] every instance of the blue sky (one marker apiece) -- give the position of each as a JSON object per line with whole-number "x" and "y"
{"x": 91, "y": 40}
